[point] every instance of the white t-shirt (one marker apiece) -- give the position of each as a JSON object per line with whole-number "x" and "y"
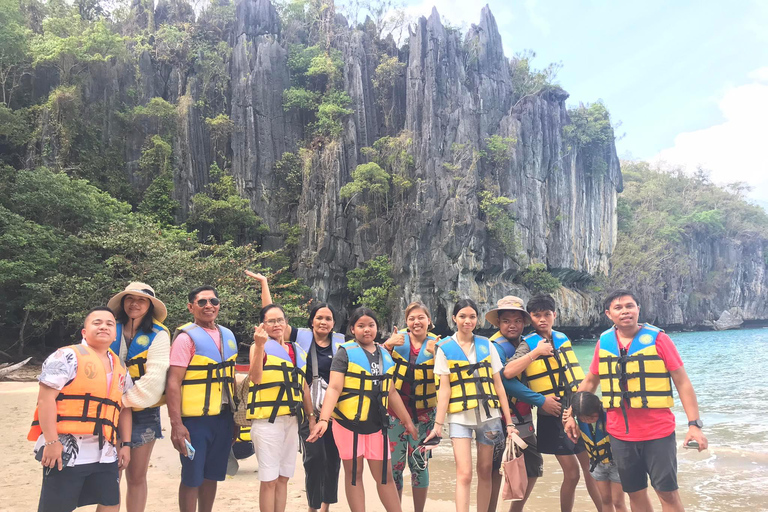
{"x": 477, "y": 415}
{"x": 59, "y": 369}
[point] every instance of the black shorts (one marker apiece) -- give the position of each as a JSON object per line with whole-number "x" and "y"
{"x": 534, "y": 462}
{"x": 78, "y": 486}
{"x": 552, "y": 438}
{"x": 637, "y": 460}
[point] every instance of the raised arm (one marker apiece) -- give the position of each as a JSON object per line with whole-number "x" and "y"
{"x": 266, "y": 297}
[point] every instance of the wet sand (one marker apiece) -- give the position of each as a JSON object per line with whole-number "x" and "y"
{"x": 20, "y": 475}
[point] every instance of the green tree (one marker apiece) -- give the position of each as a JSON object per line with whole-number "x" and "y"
{"x": 538, "y": 280}
{"x": 373, "y": 286}
{"x": 221, "y": 213}
{"x": 71, "y": 44}
{"x": 14, "y": 48}
{"x": 500, "y": 221}
{"x": 591, "y": 134}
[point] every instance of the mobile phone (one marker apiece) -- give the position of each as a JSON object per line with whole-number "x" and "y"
{"x": 432, "y": 442}
{"x": 65, "y": 456}
{"x": 190, "y": 450}
{"x": 692, "y": 444}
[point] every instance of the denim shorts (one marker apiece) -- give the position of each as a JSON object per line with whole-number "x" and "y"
{"x": 606, "y": 473}
{"x": 146, "y": 426}
{"x": 485, "y": 433}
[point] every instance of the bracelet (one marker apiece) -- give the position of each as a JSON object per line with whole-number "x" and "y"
{"x": 438, "y": 423}
{"x": 321, "y": 419}
{"x": 529, "y": 356}
{"x": 49, "y": 443}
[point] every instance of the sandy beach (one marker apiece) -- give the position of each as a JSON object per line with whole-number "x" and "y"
{"x": 20, "y": 475}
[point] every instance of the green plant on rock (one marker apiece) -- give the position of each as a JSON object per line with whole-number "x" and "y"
{"x": 221, "y": 213}
{"x": 528, "y": 81}
{"x": 590, "y": 133}
{"x": 498, "y": 151}
{"x": 500, "y": 221}
{"x": 537, "y": 279}
{"x": 330, "y": 114}
{"x": 373, "y": 286}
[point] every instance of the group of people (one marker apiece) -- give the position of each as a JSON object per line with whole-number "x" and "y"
{"x": 342, "y": 400}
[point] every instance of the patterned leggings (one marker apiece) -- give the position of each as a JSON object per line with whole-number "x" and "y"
{"x": 402, "y": 446}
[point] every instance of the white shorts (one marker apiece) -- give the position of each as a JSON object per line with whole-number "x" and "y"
{"x": 276, "y": 445}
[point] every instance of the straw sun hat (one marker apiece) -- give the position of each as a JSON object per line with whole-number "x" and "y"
{"x": 508, "y": 303}
{"x": 140, "y": 290}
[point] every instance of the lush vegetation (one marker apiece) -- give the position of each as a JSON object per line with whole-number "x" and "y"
{"x": 661, "y": 213}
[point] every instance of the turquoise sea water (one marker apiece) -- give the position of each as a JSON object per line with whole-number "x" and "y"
{"x": 727, "y": 370}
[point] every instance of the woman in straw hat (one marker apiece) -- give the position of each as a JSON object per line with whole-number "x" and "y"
{"x": 144, "y": 345}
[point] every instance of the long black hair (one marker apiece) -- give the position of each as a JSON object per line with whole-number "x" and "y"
{"x": 318, "y": 307}
{"x": 584, "y": 403}
{"x": 145, "y": 325}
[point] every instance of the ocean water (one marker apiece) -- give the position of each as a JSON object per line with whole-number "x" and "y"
{"x": 727, "y": 371}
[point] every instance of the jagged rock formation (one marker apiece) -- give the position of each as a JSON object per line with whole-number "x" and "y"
{"x": 454, "y": 93}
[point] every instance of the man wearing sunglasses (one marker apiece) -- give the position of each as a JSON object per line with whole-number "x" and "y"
{"x": 200, "y": 394}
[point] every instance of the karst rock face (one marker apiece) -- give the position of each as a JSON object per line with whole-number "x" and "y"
{"x": 452, "y": 93}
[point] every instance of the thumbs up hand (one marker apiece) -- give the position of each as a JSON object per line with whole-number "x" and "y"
{"x": 396, "y": 340}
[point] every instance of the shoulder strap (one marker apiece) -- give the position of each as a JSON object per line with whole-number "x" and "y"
{"x": 313, "y": 357}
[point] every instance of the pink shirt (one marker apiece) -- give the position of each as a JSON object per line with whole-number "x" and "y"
{"x": 183, "y": 348}
{"x": 644, "y": 424}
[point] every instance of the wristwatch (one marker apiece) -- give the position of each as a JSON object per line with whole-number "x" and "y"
{"x": 129, "y": 444}
{"x": 696, "y": 423}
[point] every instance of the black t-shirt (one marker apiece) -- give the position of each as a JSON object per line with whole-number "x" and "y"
{"x": 324, "y": 360}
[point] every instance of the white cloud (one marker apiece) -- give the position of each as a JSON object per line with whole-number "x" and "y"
{"x": 735, "y": 149}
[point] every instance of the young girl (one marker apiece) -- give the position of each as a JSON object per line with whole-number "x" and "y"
{"x": 471, "y": 391}
{"x": 587, "y": 412}
{"x": 413, "y": 353}
{"x": 277, "y": 396}
{"x": 357, "y": 397}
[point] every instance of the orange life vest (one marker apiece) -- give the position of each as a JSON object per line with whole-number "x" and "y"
{"x": 87, "y": 406}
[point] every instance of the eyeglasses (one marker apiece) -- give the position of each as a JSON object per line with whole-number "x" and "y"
{"x": 214, "y": 302}
{"x": 275, "y": 321}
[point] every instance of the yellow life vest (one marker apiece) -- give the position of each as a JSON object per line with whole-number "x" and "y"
{"x": 471, "y": 383}
{"x": 243, "y": 435}
{"x": 635, "y": 376}
{"x": 281, "y": 390}
{"x": 360, "y": 407}
{"x": 597, "y": 442}
{"x": 136, "y": 357}
{"x": 420, "y": 375}
{"x": 210, "y": 374}
{"x": 86, "y": 405}
{"x": 559, "y": 374}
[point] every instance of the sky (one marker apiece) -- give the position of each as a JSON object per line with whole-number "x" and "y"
{"x": 686, "y": 82}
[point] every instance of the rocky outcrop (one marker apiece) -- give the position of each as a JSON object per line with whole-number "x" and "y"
{"x": 725, "y": 283}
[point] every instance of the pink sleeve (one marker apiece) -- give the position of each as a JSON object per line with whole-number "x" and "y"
{"x": 182, "y": 350}
{"x": 668, "y": 352}
{"x": 594, "y": 366}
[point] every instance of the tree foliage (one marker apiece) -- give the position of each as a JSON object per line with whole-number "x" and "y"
{"x": 663, "y": 212}
{"x": 373, "y": 286}
{"x": 538, "y": 280}
{"x": 591, "y": 134}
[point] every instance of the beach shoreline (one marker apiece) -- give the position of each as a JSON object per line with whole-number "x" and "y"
{"x": 20, "y": 475}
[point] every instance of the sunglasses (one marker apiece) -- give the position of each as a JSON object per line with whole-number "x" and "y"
{"x": 214, "y": 302}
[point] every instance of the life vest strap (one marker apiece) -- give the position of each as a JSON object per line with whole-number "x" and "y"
{"x": 98, "y": 421}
